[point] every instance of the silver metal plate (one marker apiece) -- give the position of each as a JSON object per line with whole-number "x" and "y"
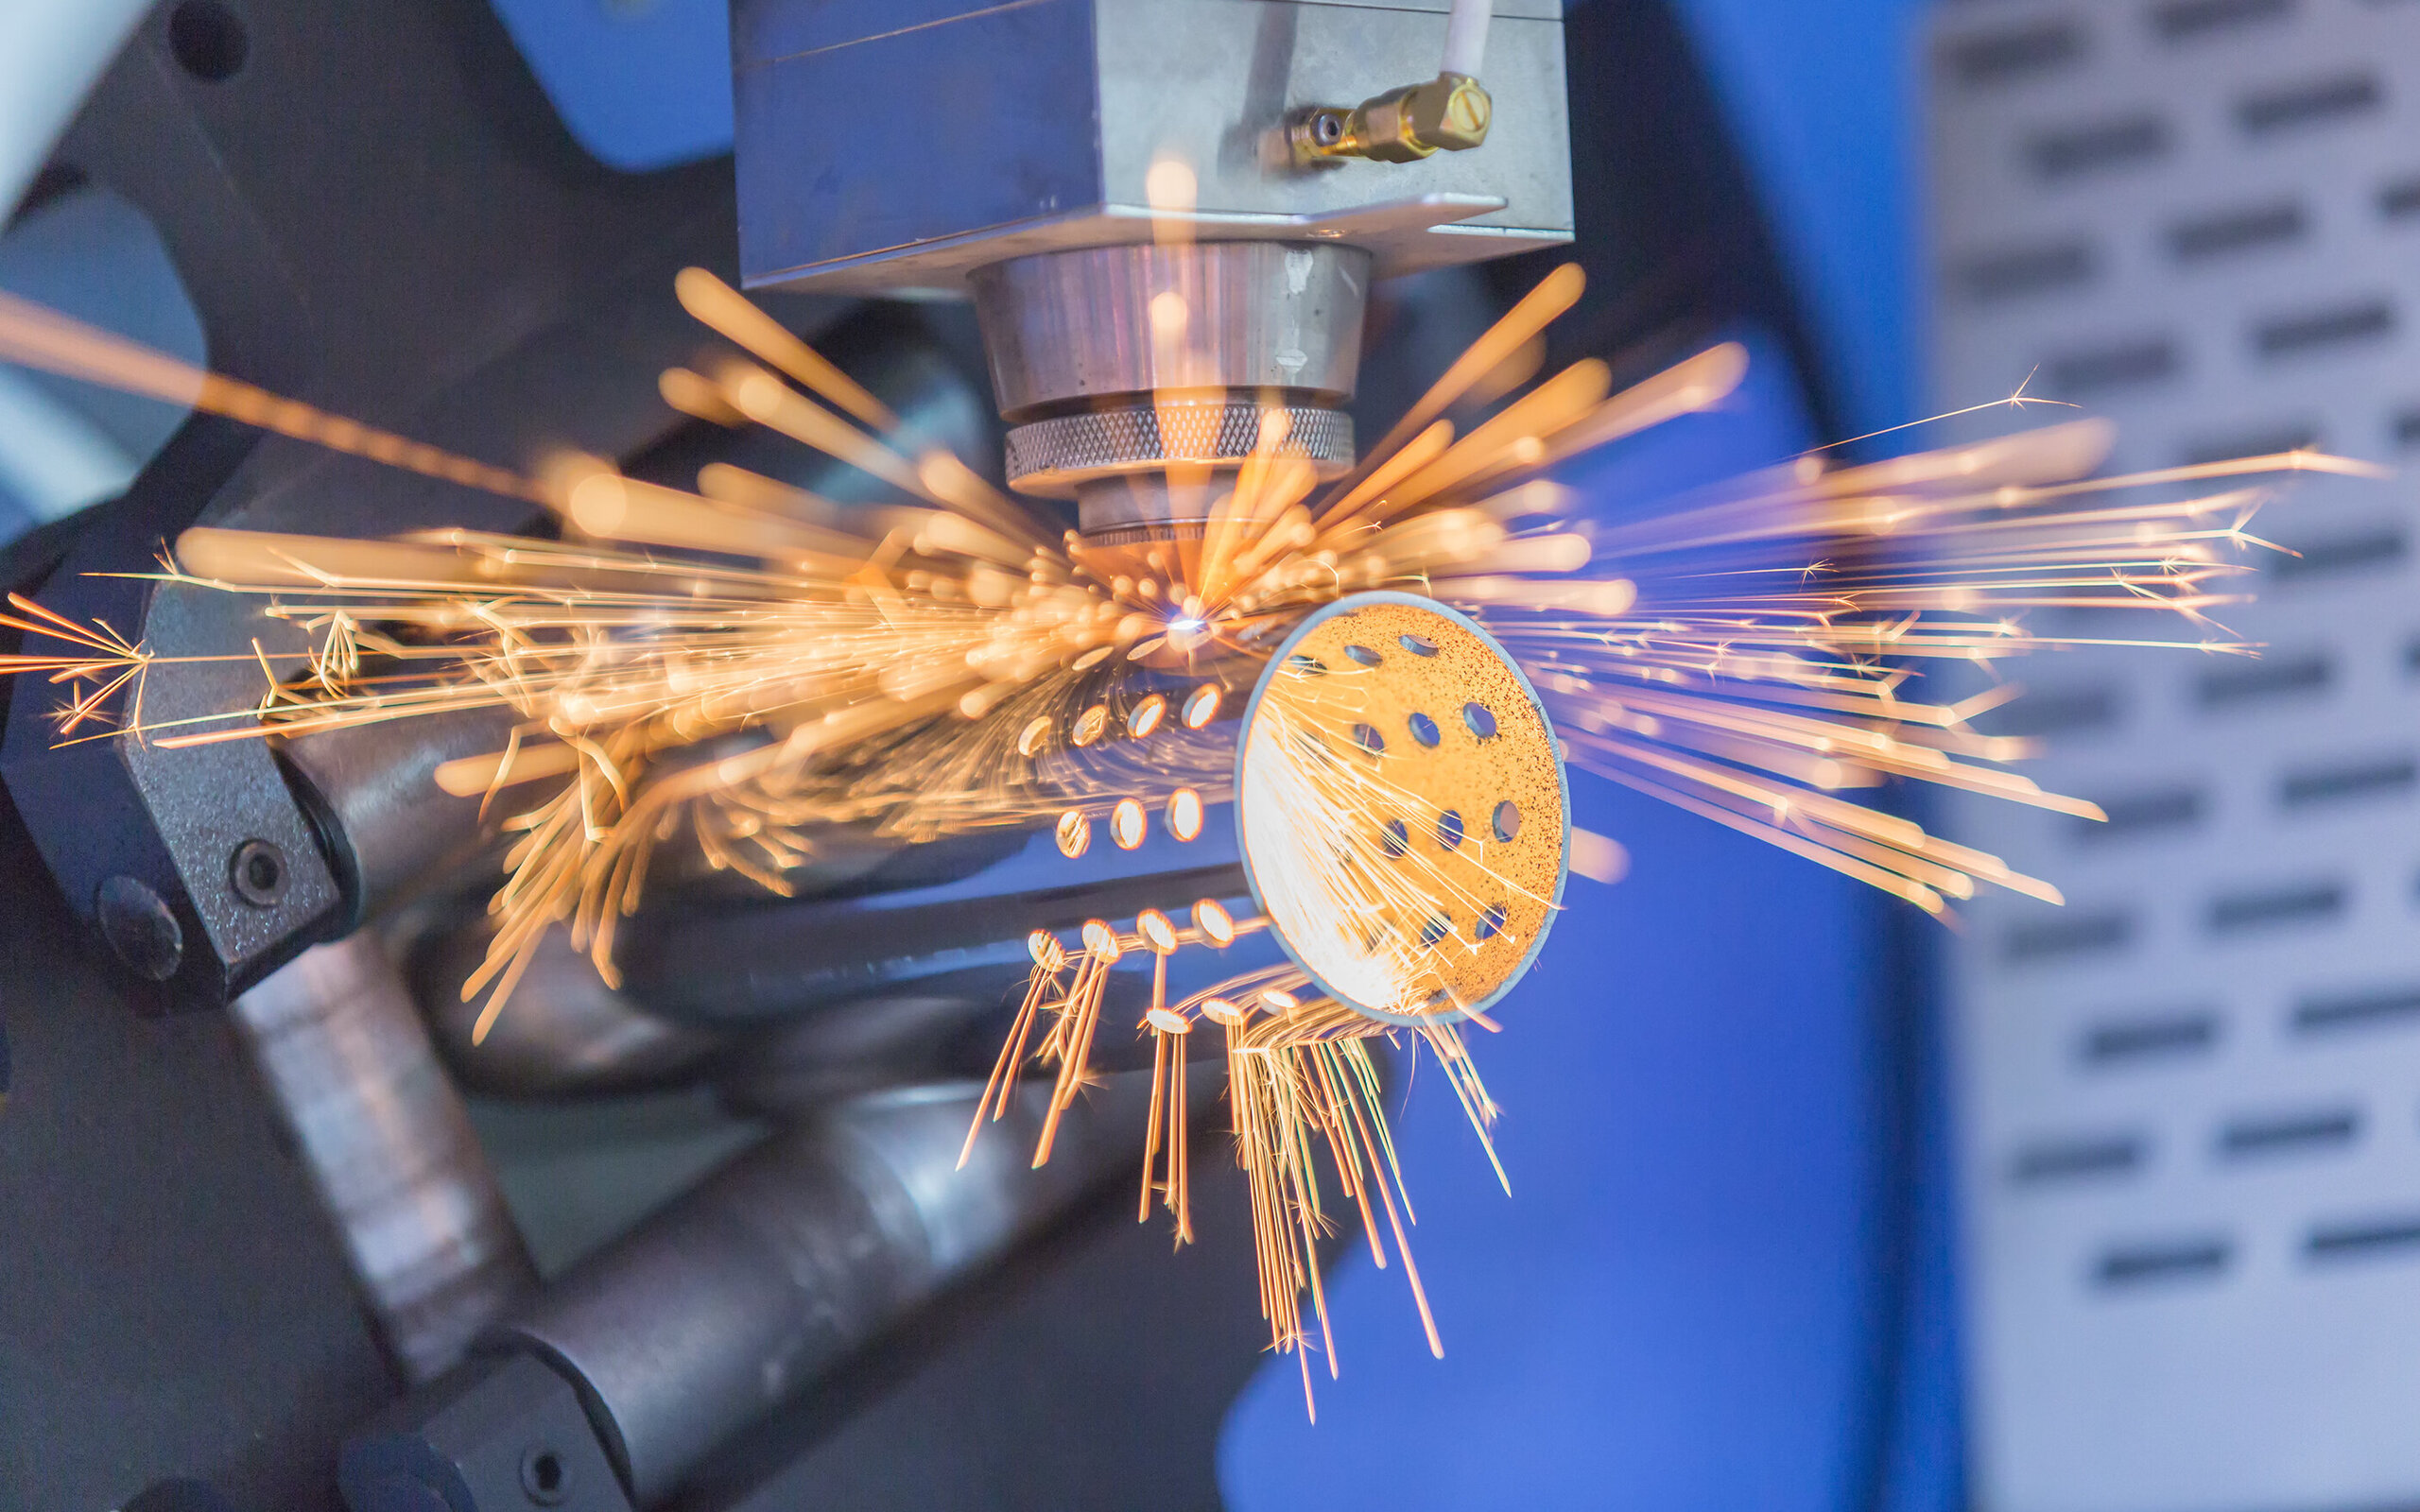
{"x": 897, "y": 157}
{"x": 2190, "y": 1101}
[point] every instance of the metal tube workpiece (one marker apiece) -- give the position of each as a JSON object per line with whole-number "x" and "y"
{"x": 766, "y": 1274}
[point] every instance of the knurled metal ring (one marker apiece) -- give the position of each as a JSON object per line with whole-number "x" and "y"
{"x": 1051, "y": 457}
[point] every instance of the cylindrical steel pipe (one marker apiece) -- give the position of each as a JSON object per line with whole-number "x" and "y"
{"x": 791, "y": 1006}
{"x": 773, "y": 1269}
{"x": 388, "y": 829}
{"x": 390, "y": 1148}
{"x": 736, "y": 967}
{"x": 567, "y": 1034}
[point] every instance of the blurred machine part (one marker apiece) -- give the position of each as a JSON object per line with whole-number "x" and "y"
{"x": 2191, "y": 1098}
{"x": 728, "y": 1302}
{"x": 89, "y": 253}
{"x": 50, "y": 52}
{"x": 345, "y": 1056}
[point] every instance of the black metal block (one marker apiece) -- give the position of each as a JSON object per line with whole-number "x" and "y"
{"x": 498, "y": 1433}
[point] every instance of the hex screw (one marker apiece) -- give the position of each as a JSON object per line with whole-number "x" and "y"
{"x": 543, "y": 1476}
{"x": 259, "y": 872}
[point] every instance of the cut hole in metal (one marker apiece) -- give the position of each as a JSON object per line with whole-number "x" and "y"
{"x": 1184, "y": 814}
{"x": 1367, "y": 738}
{"x": 1423, "y": 729}
{"x": 1158, "y": 931}
{"x": 2273, "y": 677}
{"x": 1992, "y": 57}
{"x": 257, "y": 871}
{"x": 2099, "y": 146}
{"x": 2077, "y": 934}
{"x": 543, "y": 1476}
{"x": 1363, "y": 655}
{"x": 2352, "y": 1241}
{"x": 1074, "y": 834}
{"x": 1396, "y": 839}
{"x": 2310, "y": 103}
{"x": 1128, "y": 824}
{"x": 2386, "y": 1008}
{"x": 2163, "y": 1260}
{"x": 1438, "y": 927}
{"x": 1417, "y": 644}
{"x": 1212, "y": 921}
{"x": 2082, "y": 1158}
{"x": 2294, "y": 905}
{"x": 1449, "y": 829}
{"x": 2289, "y": 1133}
{"x": 1480, "y": 718}
{"x": 1491, "y": 922}
{"x": 1506, "y": 821}
{"x": 2136, "y": 1040}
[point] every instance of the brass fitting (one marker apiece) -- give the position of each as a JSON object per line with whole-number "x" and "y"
{"x": 1449, "y": 113}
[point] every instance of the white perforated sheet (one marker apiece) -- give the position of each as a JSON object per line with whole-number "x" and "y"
{"x": 2190, "y": 1101}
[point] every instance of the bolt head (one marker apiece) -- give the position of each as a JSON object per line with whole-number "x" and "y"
{"x": 259, "y": 874}
{"x": 139, "y": 926}
{"x": 1452, "y": 112}
{"x": 544, "y": 1476}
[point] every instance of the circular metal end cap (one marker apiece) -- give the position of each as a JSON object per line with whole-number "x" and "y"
{"x": 1403, "y": 810}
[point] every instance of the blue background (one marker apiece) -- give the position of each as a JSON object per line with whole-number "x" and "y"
{"x": 1678, "y": 1306}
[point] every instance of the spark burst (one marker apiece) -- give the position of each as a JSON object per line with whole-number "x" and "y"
{"x": 768, "y": 672}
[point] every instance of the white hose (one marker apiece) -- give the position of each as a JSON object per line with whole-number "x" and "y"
{"x": 1466, "y": 37}
{"x": 51, "y": 52}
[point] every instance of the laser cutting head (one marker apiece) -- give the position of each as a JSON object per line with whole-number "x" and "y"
{"x": 1402, "y": 809}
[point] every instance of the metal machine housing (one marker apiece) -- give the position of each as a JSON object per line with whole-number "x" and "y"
{"x": 949, "y": 134}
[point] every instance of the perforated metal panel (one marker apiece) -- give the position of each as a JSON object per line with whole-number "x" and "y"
{"x": 2190, "y": 1100}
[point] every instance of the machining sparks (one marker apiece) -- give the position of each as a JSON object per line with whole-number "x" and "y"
{"x": 764, "y": 674}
